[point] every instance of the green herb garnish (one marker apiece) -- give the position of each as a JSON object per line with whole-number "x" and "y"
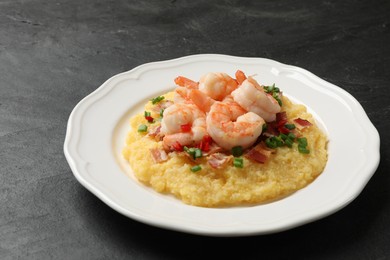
{"x": 238, "y": 163}
{"x": 142, "y": 128}
{"x": 302, "y": 145}
{"x": 196, "y": 168}
{"x": 194, "y": 152}
{"x": 157, "y": 99}
{"x": 274, "y": 92}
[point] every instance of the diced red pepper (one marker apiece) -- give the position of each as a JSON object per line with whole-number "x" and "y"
{"x": 204, "y": 145}
{"x": 177, "y": 147}
{"x": 207, "y": 138}
{"x": 186, "y": 128}
{"x": 149, "y": 119}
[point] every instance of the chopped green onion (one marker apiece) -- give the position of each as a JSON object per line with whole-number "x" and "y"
{"x": 302, "y": 141}
{"x": 290, "y": 126}
{"x": 198, "y": 153}
{"x": 270, "y": 142}
{"x": 302, "y": 149}
{"x": 147, "y": 113}
{"x": 283, "y": 136}
{"x": 291, "y": 136}
{"x": 237, "y": 151}
{"x": 272, "y": 88}
{"x": 196, "y": 168}
{"x": 288, "y": 142}
{"x": 238, "y": 162}
{"x": 194, "y": 152}
{"x": 161, "y": 113}
{"x": 276, "y": 97}
{"x": 274, "y": 91}
{"x": 302, "y": 145}
{"x": 142, "y": 128}
{"x": 157, "y": 99}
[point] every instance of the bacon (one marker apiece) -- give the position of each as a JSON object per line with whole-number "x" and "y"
{"x": 155, "y": 132}
{"x": 259, "y": 153}
{"x": 281, "y": 118}
{"x": 272, "y": 129}
{"x": 218, "y": 160}
{"x": 158, "y": 155}
{"x": 302, "y": 123}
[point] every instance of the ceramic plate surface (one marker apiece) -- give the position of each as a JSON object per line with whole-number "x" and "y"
{"x": 98, "y": 125}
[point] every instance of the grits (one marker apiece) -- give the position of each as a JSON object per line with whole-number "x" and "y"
{"x": 285, "y": 172}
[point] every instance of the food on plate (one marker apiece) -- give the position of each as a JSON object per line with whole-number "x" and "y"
{"x": 224, "y": 141}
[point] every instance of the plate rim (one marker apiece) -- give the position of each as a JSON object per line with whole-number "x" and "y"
{"x": 77, "y": 164}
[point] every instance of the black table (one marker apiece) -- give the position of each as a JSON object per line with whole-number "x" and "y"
{"x": 53, "y": 53}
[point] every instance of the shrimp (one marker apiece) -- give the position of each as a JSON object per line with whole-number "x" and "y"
{"x": 217, "y": 85}
{"x": 186, "y": 82}
{"x": 251, "y": 96}
{"x": 184, "y": 124}
{"x": 230, "y": 125}
{"x": 195, "y": 96}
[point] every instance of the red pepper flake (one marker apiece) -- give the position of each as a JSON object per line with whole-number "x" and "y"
{"x": 186, "y": 128}
{"x": 148, "y": 116}
{"x": 149, "y": 119}
{"x": 177, "y": 147}
{"x": 204, "y": 145}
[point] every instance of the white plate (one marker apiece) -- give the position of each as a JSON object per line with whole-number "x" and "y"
{"x": 98, "y": 125}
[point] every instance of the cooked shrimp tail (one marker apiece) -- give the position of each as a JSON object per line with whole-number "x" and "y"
{"x": 240, "y": 77}
{"x": 186, "y": 82}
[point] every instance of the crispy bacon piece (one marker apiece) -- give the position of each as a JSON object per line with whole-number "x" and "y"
{"x": 155, "y": 132}
{"x": 259, "y": 153}
{"x": 302, "y": 123}
{"x": 281, "y": 118}
{"x": 218, "y": 160}
{"x": 276, "y": 127}
{"x": 158, "y": 155}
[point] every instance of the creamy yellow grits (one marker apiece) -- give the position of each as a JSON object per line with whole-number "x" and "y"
{"x": 285, "y": 172}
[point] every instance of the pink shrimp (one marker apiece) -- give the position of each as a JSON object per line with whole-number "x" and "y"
{"x": 252, "y": 97}
{"x": 195, "y": 96}
{"x": 184, "y": 124}
{"x": 230, "y": 125}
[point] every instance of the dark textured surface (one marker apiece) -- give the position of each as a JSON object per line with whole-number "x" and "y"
{"x": 53, "y": 53}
